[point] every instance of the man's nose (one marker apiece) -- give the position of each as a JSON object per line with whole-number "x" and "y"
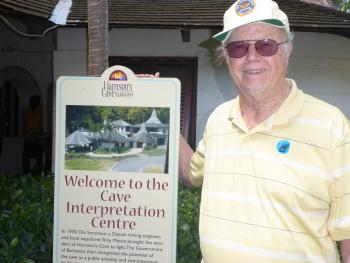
{"x": 252, "y": 54}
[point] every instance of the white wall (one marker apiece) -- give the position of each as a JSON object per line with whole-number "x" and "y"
{"x": 320, "y": 63}
{"x": 321, "y": 66}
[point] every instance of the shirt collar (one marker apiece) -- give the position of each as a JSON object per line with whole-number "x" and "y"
{"x": 288, "y": 109}
{"x": 235, "y": 115}
{"x": 291, "y": 106}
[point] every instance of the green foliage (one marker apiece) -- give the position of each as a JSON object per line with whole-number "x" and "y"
{"x": 342, "y": 5}
{"x": 163, "y": 114}
{"x": 138, "y": 114}
{"x": 90, "y": 164}
{"x": 102, "y": 150}
{"x": 78, "y": 117}
{"x": 79, "y": 149}
{"x": 119, "y": 113}
{"x": 104, "y": 112}
{"x": 188, "y": 250}
{"x": 119, "y": 150}
{"x": 26, "y": 219}
{"x": 123, "y": 149}
{"x": 73, "y": 155}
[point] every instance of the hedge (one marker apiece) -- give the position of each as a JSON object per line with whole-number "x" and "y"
{"x": 26, "y": 220}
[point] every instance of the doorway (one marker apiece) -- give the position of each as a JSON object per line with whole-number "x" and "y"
{"x": 17, "y": 85}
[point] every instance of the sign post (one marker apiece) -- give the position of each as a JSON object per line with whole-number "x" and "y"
{"x": 116, "y": 168}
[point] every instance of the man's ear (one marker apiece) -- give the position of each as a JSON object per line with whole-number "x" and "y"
{"x": 289, "y": 48}
{"x": 226, "y": 57}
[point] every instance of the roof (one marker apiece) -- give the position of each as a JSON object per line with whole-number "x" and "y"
{"x": 92, "y": 135}
{"x": 186, "y": 14}
{"x": 153, "y": 119}
{"x": 152, "y": 122}
{"x": 77, "y": 138}
{"x": 151, "y": 125}
{"x": 112, "y": 137}
{"x": 143, "y": 136}
{"x": 40, "y": 8}
{"x": 121, "y": 123}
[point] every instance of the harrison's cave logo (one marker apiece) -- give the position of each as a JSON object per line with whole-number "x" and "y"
{"x": 115, "y": 86}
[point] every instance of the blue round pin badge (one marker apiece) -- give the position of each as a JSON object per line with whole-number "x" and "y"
{"x": 245, "y": 7}
{"x": 283, "y": 146}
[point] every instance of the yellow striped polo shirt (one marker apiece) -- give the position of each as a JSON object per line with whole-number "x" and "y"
{"x": 279, "y": 192}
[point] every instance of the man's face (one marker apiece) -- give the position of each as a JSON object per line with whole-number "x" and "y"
{"x": 256, "y": 75}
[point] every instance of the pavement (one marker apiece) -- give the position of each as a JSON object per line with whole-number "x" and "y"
{"x": 131, "y": 152}
{"x": 137, "y": 164}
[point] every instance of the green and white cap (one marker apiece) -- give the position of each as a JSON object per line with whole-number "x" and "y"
{"x": 244, "y": 12}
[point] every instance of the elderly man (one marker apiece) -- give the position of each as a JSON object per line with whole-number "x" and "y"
{"x": 274, "y": 162}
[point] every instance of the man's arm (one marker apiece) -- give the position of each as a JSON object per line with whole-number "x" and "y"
{"x": 185, "y": 154}
{"x": 345, "y": 250}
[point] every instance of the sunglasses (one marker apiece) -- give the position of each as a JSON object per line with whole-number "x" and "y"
{"x": 264, "y": 47}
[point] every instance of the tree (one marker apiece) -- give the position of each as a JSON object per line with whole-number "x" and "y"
{"x": 163, "y": 115}
{"x": 82, "y": 117}
{"x": 120, "y": 113}
{"x": 137, "y": 115}
{"x": 98, "y": 37}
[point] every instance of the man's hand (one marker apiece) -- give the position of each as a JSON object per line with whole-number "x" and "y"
{"x": 345, "y": 250}
{"x": 185, "y": 155}
{"x": 148, "y": 75}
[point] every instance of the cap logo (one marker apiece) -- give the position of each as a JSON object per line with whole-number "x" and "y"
{"x": 244, "y": 7}
{"x": 118, "y": 75}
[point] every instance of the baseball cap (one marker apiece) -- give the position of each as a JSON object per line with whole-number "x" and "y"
{"x": 243, "y": 12}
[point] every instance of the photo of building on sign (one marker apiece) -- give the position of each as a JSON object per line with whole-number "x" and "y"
{"x": 117, "y": 139}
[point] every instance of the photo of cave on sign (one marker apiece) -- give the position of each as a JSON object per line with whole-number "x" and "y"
{"x": 117, "y": 139}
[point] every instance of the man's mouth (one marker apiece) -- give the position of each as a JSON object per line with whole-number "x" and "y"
{"x": 254, "y": 71}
